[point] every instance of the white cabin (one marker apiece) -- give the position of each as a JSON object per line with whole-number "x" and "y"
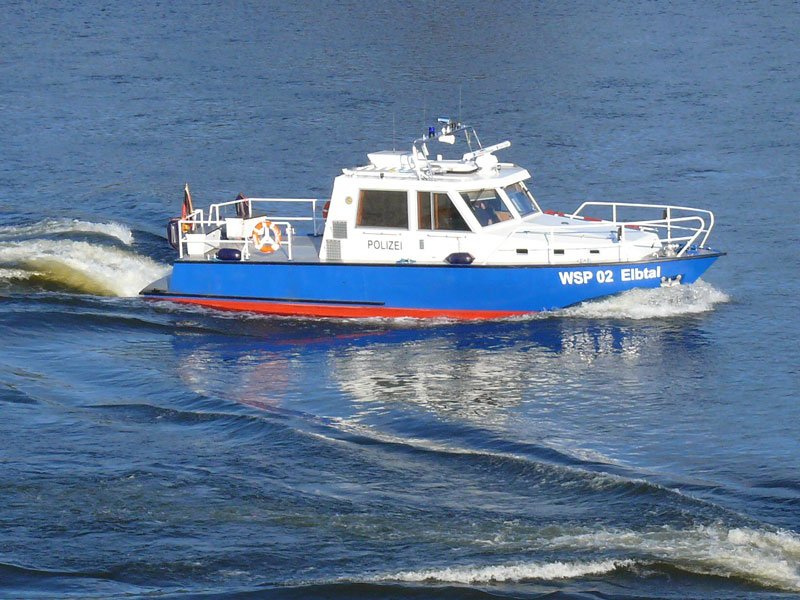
{"x": 402, "y": 208}
{"x": 413, "y": 207}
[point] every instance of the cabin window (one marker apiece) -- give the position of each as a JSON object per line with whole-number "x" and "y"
{"x": 521, "y": 199}
{"x": 487, "y": 206}
{"x": 437, "y": 211}
{"x": 381, "y": 208}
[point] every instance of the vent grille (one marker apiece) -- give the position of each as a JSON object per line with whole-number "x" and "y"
{"x": 333, "y": 249}
{"x": 339, "y": 229}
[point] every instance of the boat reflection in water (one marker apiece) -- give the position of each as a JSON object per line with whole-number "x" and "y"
{"x": 486, "y": 373}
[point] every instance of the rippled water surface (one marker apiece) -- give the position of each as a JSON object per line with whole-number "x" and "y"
{"x": 640, "y": 446}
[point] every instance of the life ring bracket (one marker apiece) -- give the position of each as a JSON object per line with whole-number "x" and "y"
{"x": 266, "y": 236}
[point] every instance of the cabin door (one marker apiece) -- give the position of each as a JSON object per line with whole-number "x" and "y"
{"x": 441, "y": 228}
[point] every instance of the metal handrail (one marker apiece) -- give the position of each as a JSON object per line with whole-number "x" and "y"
{"x": 667, "y": 208}
{"x": 215, "y": 219}
{"x": 214, "y": 209}
{"x": 682, "y": 232}
{"x": 619, "y": 229}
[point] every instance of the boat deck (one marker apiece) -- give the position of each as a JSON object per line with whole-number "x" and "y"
{"x": 304, "y": 249}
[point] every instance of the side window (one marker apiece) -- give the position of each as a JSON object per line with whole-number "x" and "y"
{"x": 437, "y": 211}
{"x": 380, "y": 208}
{"x": 521, "y": 199}
{"x": 425, "y": 210}
{"x": 487, "y": 206}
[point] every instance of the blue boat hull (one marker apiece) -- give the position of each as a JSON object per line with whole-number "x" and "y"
{"x": 397, "y": 290}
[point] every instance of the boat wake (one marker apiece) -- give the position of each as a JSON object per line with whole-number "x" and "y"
{"x": 768, "y": 559}
{"x": 511, "y": 573}
{"x": 51, "y": 227}
{"x": 641, "y": 303}
{"x": 43, "y": 256}
{"x": 655, "y": 303}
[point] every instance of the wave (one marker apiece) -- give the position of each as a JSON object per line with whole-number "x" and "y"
{"x": 513, "y": 453}
{"x": 674, "y": 301}
{"x": 78, "y": 266}
{"x": 511, "y": 573}
{"x": 768, "y": 558}
{"x": 15, "y": 274}
{"x": 50, "y": 227}
{"x": 26, "y": 582}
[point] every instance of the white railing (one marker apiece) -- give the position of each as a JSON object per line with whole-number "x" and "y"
{"x": 676, "y": 233}
{"x": 199, "y": 235}
{"x": 667, "y": 222}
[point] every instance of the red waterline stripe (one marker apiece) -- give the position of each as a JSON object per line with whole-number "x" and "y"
{"x": 326, "y": 310}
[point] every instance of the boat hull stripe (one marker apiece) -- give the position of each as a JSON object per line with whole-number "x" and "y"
{"x": 307, "y": 309}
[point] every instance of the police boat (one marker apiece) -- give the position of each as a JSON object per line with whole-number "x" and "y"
{"x": 415, "y": 234}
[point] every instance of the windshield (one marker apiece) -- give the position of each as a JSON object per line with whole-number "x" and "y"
{"x": 487, "y": 206}
{"x": 521, "y": 199}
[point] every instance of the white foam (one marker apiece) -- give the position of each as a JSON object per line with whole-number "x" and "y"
{"x": 769, "y": 558}
{"x": 82, "y": 266}
{"x": 698, "y": 297}
{"x": 511, "y": 573}
{"x": 15, "y": 274}
{"x": 58, "y": 226}
{"x": 786, "y": 541}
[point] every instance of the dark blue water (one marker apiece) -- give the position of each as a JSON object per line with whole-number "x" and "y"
{"x": 641, "y": 446}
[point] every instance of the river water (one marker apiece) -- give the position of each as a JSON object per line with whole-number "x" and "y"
{"x": 640, "y": 446}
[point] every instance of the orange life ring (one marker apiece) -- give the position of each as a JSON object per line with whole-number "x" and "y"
{"x": 266, "y": 236}
{"x": 325, "y": 209}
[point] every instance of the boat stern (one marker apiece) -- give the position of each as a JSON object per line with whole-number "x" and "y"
{"x": 157, "y": 288}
